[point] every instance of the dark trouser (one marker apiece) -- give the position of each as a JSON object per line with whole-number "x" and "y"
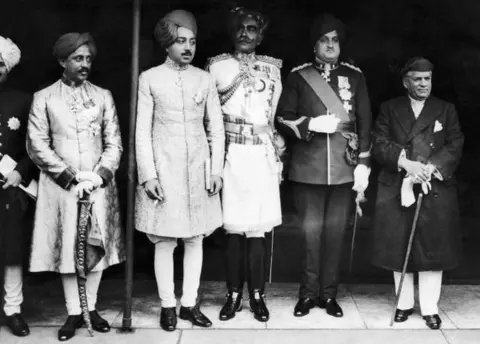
{"x": 324, "y": 212}
{"x": 235, "y": 262}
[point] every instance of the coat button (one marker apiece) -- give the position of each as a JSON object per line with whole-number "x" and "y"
{"x": 435, "y": 195}
{"x": 7, "y": 206}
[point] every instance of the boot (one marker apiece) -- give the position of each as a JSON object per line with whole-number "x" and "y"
{"x": 233, "y": 304}
{"x": 235, "y": 266}
{"x": 256, "y": 278}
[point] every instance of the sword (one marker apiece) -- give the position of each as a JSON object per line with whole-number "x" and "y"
{"x": 407, "y": 256}
{"x": 358, "y": 213}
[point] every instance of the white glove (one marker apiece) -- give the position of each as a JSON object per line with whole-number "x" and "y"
{"x": 93, "y": 177}
{"x": 360, "y": 177}
{"x": 83, "y": 188}
{"x": 324, "y": 124}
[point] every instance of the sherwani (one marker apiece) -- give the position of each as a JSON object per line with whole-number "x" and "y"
{"x": 179, "y": 131}
{"x": 73, "y": 129}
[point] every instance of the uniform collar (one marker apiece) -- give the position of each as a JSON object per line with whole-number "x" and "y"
{"x": 243, "y": 57}
{"x": 174, "y": 65}
{"x": 319, "y": 64}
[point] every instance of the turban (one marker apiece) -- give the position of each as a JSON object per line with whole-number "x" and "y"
{"x": 70, "y": 42}
{"x": 166, "y": 30}
{"x": 417, "y": 64}
{"x": 324, "y": 24}
{"x": 240, "y": 13}
{"x": 9, "y": 53}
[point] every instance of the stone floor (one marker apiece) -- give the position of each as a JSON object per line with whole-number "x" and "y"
{"x": 367, "y": 312}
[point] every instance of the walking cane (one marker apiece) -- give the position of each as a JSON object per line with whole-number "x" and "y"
{"x": 271, "y": 257}
{"x": 407, "y": 256}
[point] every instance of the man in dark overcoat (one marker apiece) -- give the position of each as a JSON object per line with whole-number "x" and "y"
{"x": 325, "y": 109}
{"x": 14, "y": 225}
{"x": 418, "y": 144}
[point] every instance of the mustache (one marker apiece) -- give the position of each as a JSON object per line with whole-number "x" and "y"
{"x": 84, "y": 69}
{"x": 187, "y": 53}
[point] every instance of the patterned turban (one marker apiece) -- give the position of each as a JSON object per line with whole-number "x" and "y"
{"x": 417, "y": 64}
{"x": 70, "y": 42}
{"x": 9, "y": 53}
{"x": 166, "y": 30}
{"x": 327, "y": 23}
{"x": 239, "y": 13}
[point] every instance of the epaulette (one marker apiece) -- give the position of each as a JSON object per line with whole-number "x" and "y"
{"x": 349, "y": 65}
{"x": 301, "y": 67}
{"x": 217, "y": 58}
{"x": 271, "y": 60}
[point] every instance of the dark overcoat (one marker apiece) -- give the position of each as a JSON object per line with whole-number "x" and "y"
{"x": 14, "y": 224}
{"x": 436, "y": 138}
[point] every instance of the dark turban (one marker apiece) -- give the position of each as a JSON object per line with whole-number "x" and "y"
{"x": 326, "y": 23}
{"x": 70, "y": 42}
{"x": 239, "y": 13}
{"x": 166, "y": 30}
{"x": 417, "y": 64}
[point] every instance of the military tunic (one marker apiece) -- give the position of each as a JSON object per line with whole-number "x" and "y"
{"x": 249, "y": 86}
{"x": 319, "y": 158}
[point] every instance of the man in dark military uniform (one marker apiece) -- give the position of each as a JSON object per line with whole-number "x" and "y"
{"x": 14, "y": 107}
{"x": 325, "y": 107}
{"x": 417, "y": 141}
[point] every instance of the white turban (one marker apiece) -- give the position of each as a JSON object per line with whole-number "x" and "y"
{"x": 9, "y": 53}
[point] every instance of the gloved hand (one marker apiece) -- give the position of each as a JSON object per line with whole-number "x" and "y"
{"x": 83, "y": 188}
{"x": 360, "y": 177}
{"x": 324, "y": 124}
{"x": 93, "y": 177}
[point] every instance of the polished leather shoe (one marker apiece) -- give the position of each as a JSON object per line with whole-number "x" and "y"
{"x": 402, "y": 315}
{"x": 332, "y": 307}
{"x": 168, "y": 318}
{"x": 433, "y": 321}
{"x": 195, "y": 316}
{"x": 258, "y": 306}
{"x": 17, "y": 325}
{"x": 98, "y": 323}
{"x": 232, "y": 305}
{"x": 67, "y": 331}
{"x": 303, "y": 306}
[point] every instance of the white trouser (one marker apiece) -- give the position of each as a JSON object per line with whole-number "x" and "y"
{"x": 249, "y": 234}
{"x": 192, "y": 268}
{"x": 429, "y": 289}
{"x": 13, "y": 289}
{"x": 70, "y": 289}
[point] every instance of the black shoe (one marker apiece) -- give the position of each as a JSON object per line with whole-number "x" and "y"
{"x": 232, "y": 305}
{"x": 332, "y": 307}
{"x": 258, "y": 306}
{"x": 67, "y": 331}
{"x": 433, "y": 321}
{"x": 195, "y": 316}
{"x": 168, "y": 318}
{"x": 402, "y": 315}
{"x": 98, "y": 323}
{"x": 17, "y": 325}
{"x": 303, "y": 306}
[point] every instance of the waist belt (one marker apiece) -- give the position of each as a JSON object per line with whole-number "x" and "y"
{"x": 247, "y": 128}
{"x": 346, "y": 127}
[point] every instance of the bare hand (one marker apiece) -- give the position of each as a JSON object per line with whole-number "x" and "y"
{"x": 154, "y": 190}
{"x": 216, "y": 185}
{"x": 12, "y": 179}
{"x": 418, "y": 171}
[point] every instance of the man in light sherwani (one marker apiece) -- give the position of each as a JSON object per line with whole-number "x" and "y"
{"x": 249, "y": 86}
{"x": 180, "y": 150}
{"x": 74, "y": 138}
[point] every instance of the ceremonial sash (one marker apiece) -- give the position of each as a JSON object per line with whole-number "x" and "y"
{"x": 326, "y": 94}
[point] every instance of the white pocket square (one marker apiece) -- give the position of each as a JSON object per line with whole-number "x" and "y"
{"x": 438, "y": 126}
